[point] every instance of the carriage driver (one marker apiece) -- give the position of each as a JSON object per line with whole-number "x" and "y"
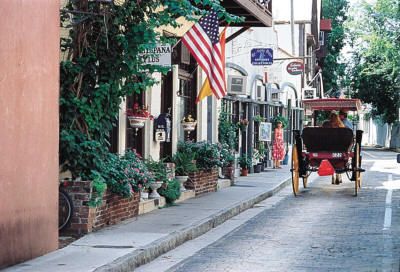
{"x": 343, "y": 117}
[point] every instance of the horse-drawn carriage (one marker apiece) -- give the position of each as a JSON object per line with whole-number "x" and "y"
{"x": 327, "y": 150}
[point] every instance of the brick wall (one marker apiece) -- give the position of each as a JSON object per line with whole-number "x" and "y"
{"x": 229, "y": 172}
{"x": 85, "y": 219}
{"x": 204, "y": 182}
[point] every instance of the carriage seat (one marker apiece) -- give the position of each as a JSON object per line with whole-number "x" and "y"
{"x": 317, "y": 139}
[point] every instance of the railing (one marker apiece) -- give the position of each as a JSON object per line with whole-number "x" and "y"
{"x": 264, "y": 4}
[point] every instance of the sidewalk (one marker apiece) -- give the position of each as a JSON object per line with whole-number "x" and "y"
{"x": 124, "y": 246}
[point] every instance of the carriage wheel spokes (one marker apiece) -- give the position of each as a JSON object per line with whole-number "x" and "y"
{"x": 295, "y": 171}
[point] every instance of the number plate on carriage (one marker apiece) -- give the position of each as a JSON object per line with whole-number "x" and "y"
{"x": 326, "y": 155}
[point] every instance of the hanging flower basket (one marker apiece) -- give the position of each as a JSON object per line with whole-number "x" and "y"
{"x": 189, "y": 126}
{"x": 137, "y": 122}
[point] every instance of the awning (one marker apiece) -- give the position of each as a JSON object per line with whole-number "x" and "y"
{"x": 257, "y": 13}
{"x": 331, "y": 104}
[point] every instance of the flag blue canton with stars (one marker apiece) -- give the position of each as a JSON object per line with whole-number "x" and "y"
{"x": 209, "y": 23}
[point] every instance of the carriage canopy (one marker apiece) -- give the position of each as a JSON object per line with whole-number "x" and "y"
{"x": 328, "y": 104}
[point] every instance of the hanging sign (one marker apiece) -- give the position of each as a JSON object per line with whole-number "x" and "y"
{"x": 160, "y": 55}
{"x": 262, "y": 56}
{"x": 295, "y": 68}
{"x": 309, "y": 93}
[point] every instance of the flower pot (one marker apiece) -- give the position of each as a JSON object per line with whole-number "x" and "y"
{"x": 144, "y": 196}
{"x": 189, "y": 126}
{"x": 257, "y": 168}
{"x": 154, "y": 186}
{"x": 245, "y": 172}
{"x": 182, "y": 180}
{"x": 137, "y": 122}
{"x": 262, "y": 167}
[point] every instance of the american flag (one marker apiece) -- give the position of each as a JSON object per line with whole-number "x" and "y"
{"x": 202, "y": 40}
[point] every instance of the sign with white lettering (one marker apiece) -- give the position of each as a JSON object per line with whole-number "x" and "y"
{"x": 262, "y": 56}
{"x": 295, "y": 68}
{"x": 160, "y": 55}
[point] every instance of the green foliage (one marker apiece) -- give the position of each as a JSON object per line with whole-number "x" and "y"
{"x": 208, "y": 155}
{"x": 184, "y": 163}
{"x": 227, "y": 130}
{"x": 171, "y": 191}
{"x": 103, "y": 61}
{"x": 258, "y": 118}
{"x": 245, "y": 161}
{"x": 374, "y": 73}
{"x": 125, "y": 174}
{"x": 333, "y": 70}
{"x": 260, "y": 151}
{"x": 227, "y": 156}
{"x": 321, "y": 116}
{"x": 285, "y": 122}
{"x": 157, "y": 169}
{"x": 99, "y": 185}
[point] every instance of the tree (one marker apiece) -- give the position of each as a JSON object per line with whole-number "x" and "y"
{"x": 374, "y": 73}
{"x": 103, "y": 63}
{"x": 336, "y": 11}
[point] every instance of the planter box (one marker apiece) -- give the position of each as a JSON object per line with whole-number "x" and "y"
{"x": 113, "y": 209}
{"x": 203, "y": 182}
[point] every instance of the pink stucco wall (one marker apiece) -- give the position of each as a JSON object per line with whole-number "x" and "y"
{"x": 29, "y": 83}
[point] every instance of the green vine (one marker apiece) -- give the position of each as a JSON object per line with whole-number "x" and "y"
{"x": 102, "y": 62}
{"x": 99, "y": 186}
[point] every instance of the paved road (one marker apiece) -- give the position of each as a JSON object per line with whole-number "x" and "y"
{"x": 325, "y": 228}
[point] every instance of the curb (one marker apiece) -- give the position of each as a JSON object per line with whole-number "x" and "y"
{"x": 148, "y": 253}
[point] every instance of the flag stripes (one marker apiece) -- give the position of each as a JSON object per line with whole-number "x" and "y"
{"x": 207, "y": 51}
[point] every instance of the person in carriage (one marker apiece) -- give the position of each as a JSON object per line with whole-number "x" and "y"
{"x": 343, "y": 118}
{"x": 333, "y": 122}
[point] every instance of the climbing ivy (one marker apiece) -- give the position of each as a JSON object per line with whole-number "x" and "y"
{"x": 102, "y": 63}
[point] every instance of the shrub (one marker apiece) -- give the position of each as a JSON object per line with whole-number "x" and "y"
{"x": 245, "y": 161}
{"x": 126, "y": 174}
{"x": 184, "y": 163}
{"x": 171, "y": 191}
{"x": 157, "y": 169}
{"x": 227, "y": 157}
{"x": 208, "y": 155}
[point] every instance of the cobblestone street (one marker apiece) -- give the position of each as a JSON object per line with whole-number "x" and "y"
{"x": 325, "y": 228}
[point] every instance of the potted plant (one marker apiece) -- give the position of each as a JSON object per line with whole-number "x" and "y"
{"x": 183, "y": 165}
{"x": 258, "y": 118}
{"x": 243, "y": 124}
{"x": 138, "y": 116}
{"x": 257, "y": 156}
{"x": 160, "y": 174}
{"x": 245, "y": 164}
{"x": 188, "y": 123}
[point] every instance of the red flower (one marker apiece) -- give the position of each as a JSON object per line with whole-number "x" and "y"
{"x": 139, "y": 111}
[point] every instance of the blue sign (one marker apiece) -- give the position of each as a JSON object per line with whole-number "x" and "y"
{"x": 262, "y": 56}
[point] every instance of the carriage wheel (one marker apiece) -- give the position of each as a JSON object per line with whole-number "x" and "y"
{"x": 295, "y": 171}
{"x": 357, "y": 181}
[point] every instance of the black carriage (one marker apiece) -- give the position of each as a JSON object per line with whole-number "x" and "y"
{"x": 327, "y": 150}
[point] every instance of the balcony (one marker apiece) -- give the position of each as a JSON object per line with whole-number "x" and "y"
{"x": 257, "y": 13}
